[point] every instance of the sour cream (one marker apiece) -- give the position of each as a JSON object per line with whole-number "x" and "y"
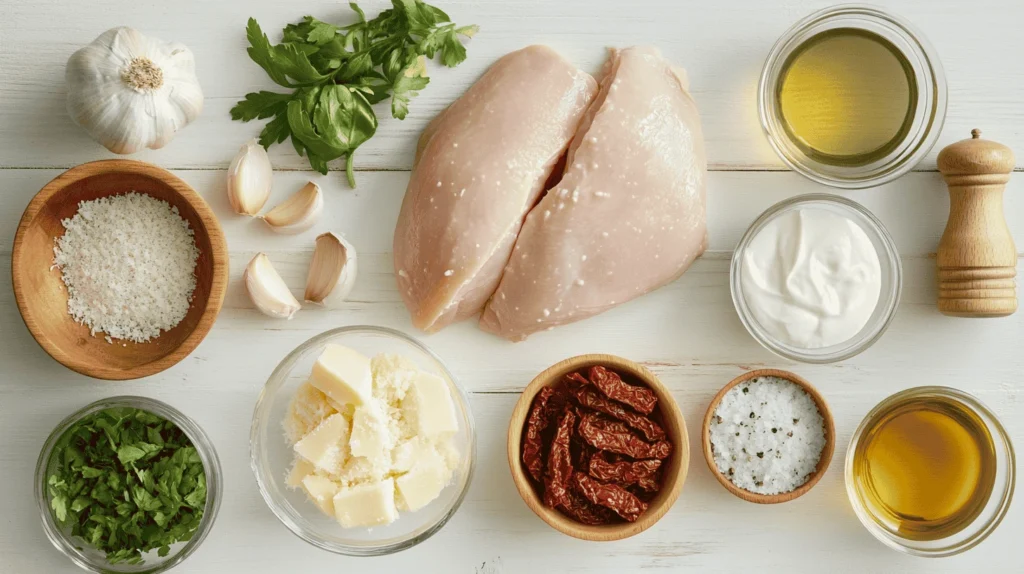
{"x": 811, "y": 278}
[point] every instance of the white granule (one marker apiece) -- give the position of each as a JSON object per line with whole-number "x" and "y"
{"x": 767, "y": 435}
{"x": 129, "y": 265}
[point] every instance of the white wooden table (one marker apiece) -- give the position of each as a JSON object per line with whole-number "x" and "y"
{"x": 687, "y": 332}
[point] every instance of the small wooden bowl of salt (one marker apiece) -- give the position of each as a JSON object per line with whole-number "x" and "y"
{"x": 158, "y": 331}
{"x": 768, "y": 436}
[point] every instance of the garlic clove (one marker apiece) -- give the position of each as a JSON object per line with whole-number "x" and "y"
{"x": 299, "y": 212}
{"x": 267, "y": 290}
{"x": 249, "y": 179}
{"x": 332, "y": 273}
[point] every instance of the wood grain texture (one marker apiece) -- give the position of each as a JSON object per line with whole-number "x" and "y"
{"x": 686, "y": 333}
{"x": 977, "y": 259}
{"x": 826, "y": 452}
{"x": 674, "y": 474}
{"x": 42, "y": 297}
{"x": 722, "y": 44}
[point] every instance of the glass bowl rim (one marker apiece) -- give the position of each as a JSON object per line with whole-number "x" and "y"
{"x": 891, "y": 255}
{"x": 908, "y": 32}
{"x": 985, "y": 529}
{"x": 200, "y": 440}
{"x": 279, "y": 373}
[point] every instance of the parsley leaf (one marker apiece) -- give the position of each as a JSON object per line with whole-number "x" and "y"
{"x": 260, "y": 105}
{"x": 337, "y": 73}
{"x": 127, "y": 482}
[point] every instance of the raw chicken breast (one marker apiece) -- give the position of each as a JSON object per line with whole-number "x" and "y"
{"x": 480, "y": 167}
{"x": 628, "y": 215}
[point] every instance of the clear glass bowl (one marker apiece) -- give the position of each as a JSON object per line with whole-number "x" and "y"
{"x": 990, "y": 515}
{"x": 272, "y": 455}
{"x": 888, "y": 298}
{"x": 78, "y": 550}
{"x": 923, "y": 128}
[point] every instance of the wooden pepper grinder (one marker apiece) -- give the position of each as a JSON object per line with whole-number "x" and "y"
{"x": 977, "y": 259}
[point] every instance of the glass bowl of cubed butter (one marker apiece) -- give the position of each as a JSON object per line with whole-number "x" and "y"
{"x": 363, "y": 442}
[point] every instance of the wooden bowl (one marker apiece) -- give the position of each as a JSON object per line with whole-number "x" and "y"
{"x": 826, "y": 452}
{"x": 674, "y": 469}
{"x": 42, "y": 297}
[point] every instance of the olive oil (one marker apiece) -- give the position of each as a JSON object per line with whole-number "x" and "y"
{"x": 847, "y": 97}
{"x": 925, "y": 467}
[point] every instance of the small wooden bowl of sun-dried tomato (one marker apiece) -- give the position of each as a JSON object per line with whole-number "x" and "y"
{"x": 598, "y": 447}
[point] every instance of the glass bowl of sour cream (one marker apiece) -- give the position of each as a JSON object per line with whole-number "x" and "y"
{"x": 816, "y": 278}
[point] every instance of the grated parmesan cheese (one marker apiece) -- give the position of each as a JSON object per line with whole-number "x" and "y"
{"x": 767, "y": 435}
{"x": 128, "y": 262}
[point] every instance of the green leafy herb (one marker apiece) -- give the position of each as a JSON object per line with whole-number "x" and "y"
{"x": 127, "y": 482}
{"x": 337, "y": 73}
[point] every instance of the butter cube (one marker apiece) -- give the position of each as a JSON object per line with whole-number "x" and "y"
{"x": 321, "y": 490}
{"x": 300, "y": 469}
{"x": 421, "y": 485}
{"x": 370, "y": 437}
{"x": 370, "y": 504}
{"x": 343, "y": 375}
{"x": 429, "y": 406}
{"x": 326, "y": 446}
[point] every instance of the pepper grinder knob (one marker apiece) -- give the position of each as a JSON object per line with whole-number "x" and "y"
{"x": 977, "y": 260}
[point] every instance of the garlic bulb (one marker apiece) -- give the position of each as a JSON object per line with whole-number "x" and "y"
{"x": 297, "y": 213}
{"x": 249, "y": 179}
{"x": 131, "y": 92}
{"x": 267, "y": 290}
{"x": 332, "y": 273}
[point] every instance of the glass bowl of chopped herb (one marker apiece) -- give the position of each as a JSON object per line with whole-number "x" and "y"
{"x": 128, "y": 484}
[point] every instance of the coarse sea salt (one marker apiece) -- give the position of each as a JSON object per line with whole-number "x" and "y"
{"x": 128, "y": 262}
{"x": 767, "y": 435}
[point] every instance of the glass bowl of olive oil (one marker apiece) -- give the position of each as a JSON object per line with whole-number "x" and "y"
{"x": 930, "y": 471}
{"x": 852, "y": 97}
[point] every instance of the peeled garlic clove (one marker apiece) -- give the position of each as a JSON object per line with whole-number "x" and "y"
{"x": 297, "y": 213}
{"x": 332, "y": 273}
{"x": 267, "y": 290}
{"x": 249, "y": 179}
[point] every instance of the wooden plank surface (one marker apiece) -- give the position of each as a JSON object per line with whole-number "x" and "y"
{"x": 721, "y": 43}
{"x": 687, "y": 332}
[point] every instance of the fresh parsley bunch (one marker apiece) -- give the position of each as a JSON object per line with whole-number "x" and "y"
{"x": 127, "y": 482}
{"x": 338, "y": 73}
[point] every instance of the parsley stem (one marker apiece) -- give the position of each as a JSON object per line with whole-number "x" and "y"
{"x": 350, "y": 171}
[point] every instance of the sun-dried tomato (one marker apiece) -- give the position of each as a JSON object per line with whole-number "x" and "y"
{"x": 593, "y": 400}
{"x": 605, "y": 434}
{"x": 644, "y": 495}
{"x": 577, "y": 378}
{"x": 545, "y": 408}
{"x": 559, "y": 470}
{"x": 611, "y": 384}
{"x": 581, "y": 451}
{"x": 585, "y": 512}
{"x": 642, "y": 473}
{"x": 618, "y": 499}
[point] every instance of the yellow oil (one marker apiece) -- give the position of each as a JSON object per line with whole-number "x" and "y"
{"x": 847, "y": 97}
{"x": 925, "y": 468}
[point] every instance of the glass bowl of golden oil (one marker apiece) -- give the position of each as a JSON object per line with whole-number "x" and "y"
{"x": 852, "y": 97}
{"x": 930, "y": 471}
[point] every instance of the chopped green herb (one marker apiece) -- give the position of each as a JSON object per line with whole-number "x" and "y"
{"x": 338, "y": 72}
{"x": 127, "y": 482}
